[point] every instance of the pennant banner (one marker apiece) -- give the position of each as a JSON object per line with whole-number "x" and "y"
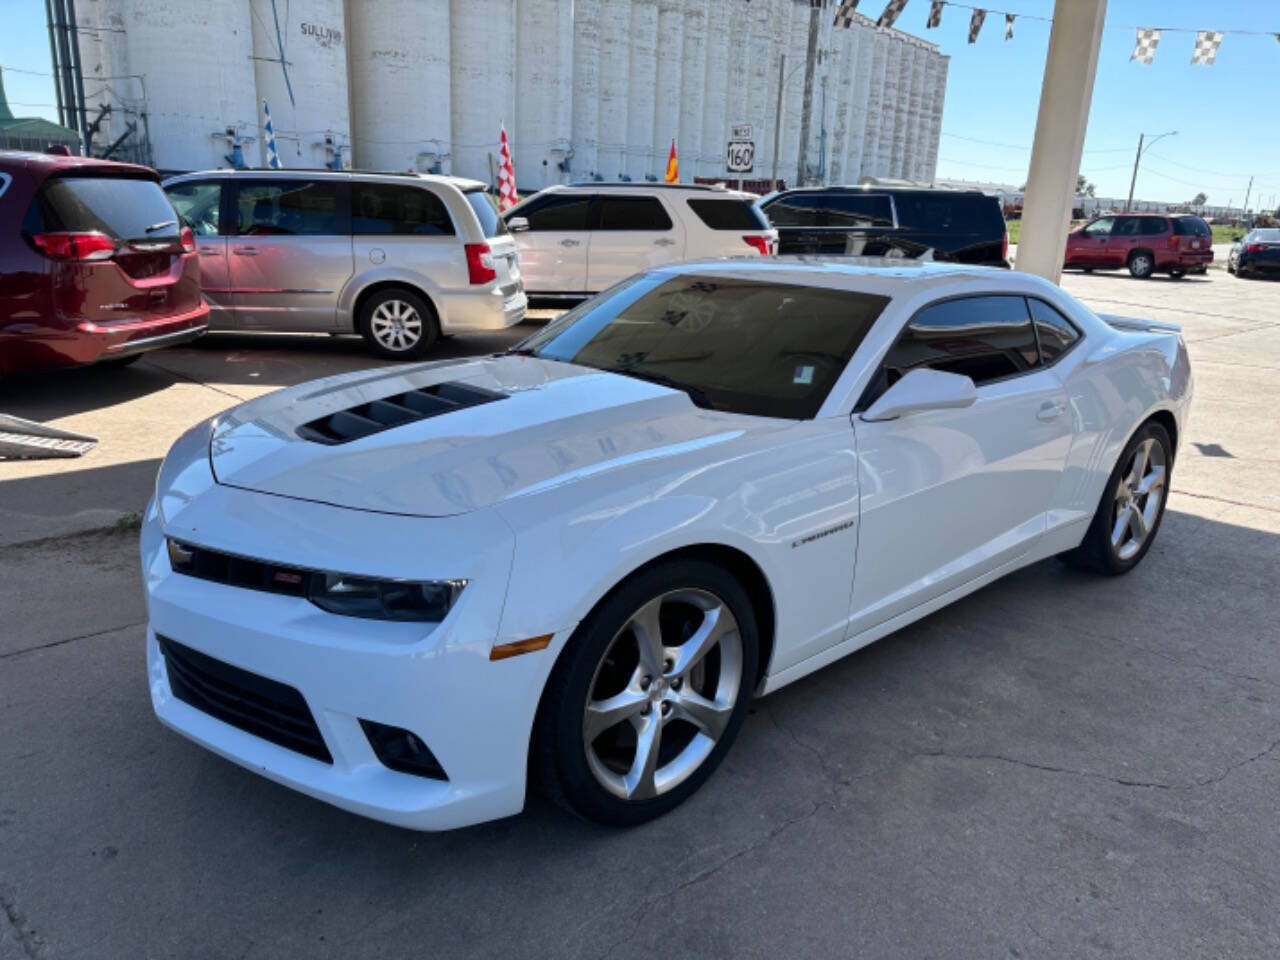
{"x": 1207, "y": 43}
{"x": 1008, "y": 26}
{"x": 844, "y": 15}
{"x": 975, "y": 24}
{"x": 935, "y": 14}
{"x": 1144, "y": 51}
{"x": 891, "y": 12}
{"x": 273, "y": 155}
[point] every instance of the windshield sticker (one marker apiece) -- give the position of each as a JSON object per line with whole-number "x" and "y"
{"x": 804, "y": 373}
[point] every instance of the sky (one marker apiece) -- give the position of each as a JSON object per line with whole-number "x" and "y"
{"x": 1224, "y": 114}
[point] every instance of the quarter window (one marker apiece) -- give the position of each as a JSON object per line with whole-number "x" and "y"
{"x": 633, "y": 213}
{"x": 287, "y": 208}
{"x": 729, "y": 214}
{"x": 379, "y": 209}
{"x": 558, "y": 211}
{"x": 1055, "y": 332}
{"x": 984, "y": 338}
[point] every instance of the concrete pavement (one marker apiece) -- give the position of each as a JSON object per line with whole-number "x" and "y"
{"x": 1057, "y": 766}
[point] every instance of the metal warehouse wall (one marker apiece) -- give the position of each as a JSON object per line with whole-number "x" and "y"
{"x": 585, "y": 87}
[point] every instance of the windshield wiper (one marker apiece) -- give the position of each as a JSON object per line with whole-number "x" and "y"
{"x": 160, "y": 226}
{"x": 696, "y": 394}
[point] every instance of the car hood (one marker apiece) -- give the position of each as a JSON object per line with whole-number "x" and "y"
{"x": 553, "y": 423}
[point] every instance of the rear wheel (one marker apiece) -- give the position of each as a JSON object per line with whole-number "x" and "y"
{"x": 1141, "y": 264}
{"x": 1177, "y": 274}
{"x": 1132, "y": 505}
{"x": 649, "y": 694}
{"x": 398, "y": 324}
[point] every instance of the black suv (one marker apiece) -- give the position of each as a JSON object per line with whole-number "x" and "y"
{"x": 873, "y": 221}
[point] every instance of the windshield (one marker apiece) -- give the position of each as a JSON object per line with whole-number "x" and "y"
{"x": 486, "y": 208}
{"x": 745, "y": 346}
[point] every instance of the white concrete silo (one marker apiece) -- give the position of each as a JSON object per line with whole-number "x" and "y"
{"x": 935, "y": 128}
{"x": 714, "y": 124}
{"x": 858, "y": 103}
{"x": 482, "y": 39}
{"x": 693, "y": 85}
{"x": 666, "y": 109}
{"x": 541, "y": 133}
{"x": 797, "y": 47}
{"x": 844, "y": 66}
{"x": 586, "y": 87}
{"x": 400, "y": 83}
{"x": 643, "y": 76}
{"x": 899, "y": 85}
{"x": 615, "y": 67}
{"x": 875, "y": 105}
{"x": 185, "y": 130}
{"x": 889, "y": 103}
{"x": 912, "y": 166}
{"x": 928, "y": 92}
{"x": 300, "y": 69}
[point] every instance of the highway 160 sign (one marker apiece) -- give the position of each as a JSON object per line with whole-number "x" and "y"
{"x": 742, "y": 156}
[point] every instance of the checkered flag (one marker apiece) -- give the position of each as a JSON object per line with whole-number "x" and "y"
{"x": 507, "y": 197}
{"x": 844, "y": 15}
{"x": 273, "y": 155}
{"x": 975, "y": 24}
{"x": 935, "y": 14}
{"x": 1207, "y": 43}
{"x": 891, "y": 11}
{"x": 1144, "y": 51}
{"x": 1008, "y": 26}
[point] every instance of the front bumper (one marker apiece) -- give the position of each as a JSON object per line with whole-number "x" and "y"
{"x": 475, "y": 715}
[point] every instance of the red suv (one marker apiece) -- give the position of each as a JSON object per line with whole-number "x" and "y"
{"x": 1145, "y": 243}
{"x": 95, "y": 264}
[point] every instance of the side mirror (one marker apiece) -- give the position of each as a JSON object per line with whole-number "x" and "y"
{"x": 518, "y": 224}
{"x": 921, "y": 390}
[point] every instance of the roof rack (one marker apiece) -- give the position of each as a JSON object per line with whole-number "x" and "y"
{"x": 635, "y": 184}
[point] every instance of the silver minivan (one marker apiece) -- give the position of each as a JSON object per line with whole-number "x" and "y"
{"x": 397, "y": 258}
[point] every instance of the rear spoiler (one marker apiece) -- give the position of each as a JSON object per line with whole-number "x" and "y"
{"x": 1142, "y": 326}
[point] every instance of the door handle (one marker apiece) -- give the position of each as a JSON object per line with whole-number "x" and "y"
{"x": 209, "y": 250}
{"x": 1051, "y": 410}
{"x": 664, "y": 242}
{"x": 245, "y": 251}
{"x": 570, "y": 243}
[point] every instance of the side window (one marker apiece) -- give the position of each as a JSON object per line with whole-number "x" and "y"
{"x": 379, "y": 209}
{"x": 558, "y": 211}
{"x": 1154, "y": 226}
{"x": 286, "y": 208}
{"x": 198, "y": 204}
{"x": 729, "y": 214}
{"x": 985, "y": 338}
{"x": 632, "y": 213}
{"x": 1055, "y": 332}
{"x": 1100, "y": 228}
{"x": 1127, "y": 227}
{"x": 831, "y": 210}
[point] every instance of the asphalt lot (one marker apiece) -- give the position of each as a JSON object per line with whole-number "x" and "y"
{"x": 1056, "y": 766}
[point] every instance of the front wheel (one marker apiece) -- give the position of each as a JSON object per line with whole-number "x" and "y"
{"x": 648, "y": 694}
{"x": 1141, "y": 264}
{"x": 1132, "y": 505}
{"x": 398, "y": 324}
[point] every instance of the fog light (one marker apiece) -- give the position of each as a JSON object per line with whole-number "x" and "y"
{"x": 402, "y": 750}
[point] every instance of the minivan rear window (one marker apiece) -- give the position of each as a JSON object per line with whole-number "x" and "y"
{"x": 830, "y": 210}
{"x": 486, "y": 208}
{"x": 729, "y": 214}
{"x": 1190, "y": 227}
{"x": 123, "y": 208}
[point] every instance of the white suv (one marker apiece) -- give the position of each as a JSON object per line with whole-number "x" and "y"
{"x": 398, "y": 258}
{"x": 579, "y": 239}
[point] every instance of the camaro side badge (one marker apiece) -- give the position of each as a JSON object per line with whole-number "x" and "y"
{"x": 822, "y": 533}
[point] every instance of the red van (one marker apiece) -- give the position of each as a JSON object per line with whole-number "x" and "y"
{"x": 95, "y": 264}
{"x": 1144, "y": 243}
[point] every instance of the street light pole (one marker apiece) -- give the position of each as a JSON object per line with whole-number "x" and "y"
{"x": 1138, "y": 159}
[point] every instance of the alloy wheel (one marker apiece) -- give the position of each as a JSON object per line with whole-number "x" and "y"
{"x": 396, "y": 325}
{"x": 1138, "y": 497}
{"x": 1141, "y": 265}
{"x": 662, "y": 694}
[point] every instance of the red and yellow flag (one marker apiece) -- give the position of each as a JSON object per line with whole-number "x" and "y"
{"x": 673, "y": 166}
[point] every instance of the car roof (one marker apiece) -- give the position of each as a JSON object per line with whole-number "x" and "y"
{"x": 47, "y": 164}
{"x": 878, "y": 188}
{"x": 640, "y": 186}
{"x": 462, "y": 183}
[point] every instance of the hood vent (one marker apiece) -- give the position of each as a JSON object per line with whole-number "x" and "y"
{"x": 395, "y": 411}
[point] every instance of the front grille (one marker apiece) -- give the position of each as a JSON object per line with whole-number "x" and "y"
{"x": 265, "y": 708}
{"x": 234, "y": 571}
{"x": 360, "y": 421}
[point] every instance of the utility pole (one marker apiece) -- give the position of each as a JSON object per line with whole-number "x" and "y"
{"x": 1134, "y": 181}
{"x": 811, "y": 58}
{"x": 777, "y": 117}
{"x": 1246, "y": 198}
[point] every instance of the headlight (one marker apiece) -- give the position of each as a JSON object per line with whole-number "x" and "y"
{"x": 417, "y": 600}
{"x": 420, "y": 601}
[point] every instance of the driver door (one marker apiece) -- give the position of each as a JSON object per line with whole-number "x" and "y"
{"x": 950, "y": 495}
{"x": 1093, "y": 245}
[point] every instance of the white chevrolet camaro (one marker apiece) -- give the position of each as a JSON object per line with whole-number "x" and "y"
{"x": 411, "y": 591}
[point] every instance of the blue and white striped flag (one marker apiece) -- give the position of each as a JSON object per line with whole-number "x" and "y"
{"x": 273, "y": 155}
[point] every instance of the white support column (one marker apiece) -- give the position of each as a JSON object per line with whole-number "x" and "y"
{"x": 1065, "y": 97}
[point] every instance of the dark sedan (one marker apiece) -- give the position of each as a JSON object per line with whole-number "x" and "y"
{"x": 1256, "y": 254}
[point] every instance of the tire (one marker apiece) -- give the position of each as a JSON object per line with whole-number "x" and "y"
{"x": 1086, "y": 269}
{"x": 398, "y": 324}
{"x": 1142, "y": 264}
{"x": 1177, "y": 274}
{"x": 115, "y": 363}
{"x": 1105, "y": 551}
{"x": 605, "y": 779}
{"x": 1231, "y": 268}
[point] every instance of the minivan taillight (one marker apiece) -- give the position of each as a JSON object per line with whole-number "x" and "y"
{"x": 188, "y": 237}
{"x": 480, "y": 263}
{"x": 75, "y": 246}
{"x": 760, "y": 243}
